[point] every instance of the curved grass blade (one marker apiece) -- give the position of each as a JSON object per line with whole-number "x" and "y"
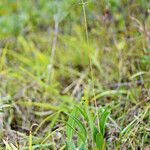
{"x": 102, "y": 121}
{"x": 80, "y": 125}
{"x": 80, "y": 135}
{"x": 100, "y": 141}
{"x": 83, "y": 113}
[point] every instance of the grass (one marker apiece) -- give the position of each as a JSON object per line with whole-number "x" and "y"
{"x": 74, "y": 74}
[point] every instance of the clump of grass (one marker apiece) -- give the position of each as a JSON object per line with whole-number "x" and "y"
{"x": 85, "y": 128}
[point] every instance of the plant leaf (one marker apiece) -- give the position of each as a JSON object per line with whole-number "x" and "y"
{"x": 70, "y": 146}
{"x": 69, "y": 130}
{"x": 100, "y": 141}
{"x": 82, "y": 146}
{"x": 102, "y": 121}
{"x": 80, "y": 125}
{"x": 95, "y": 131}
{"x": 30, "y": 141}
{"x": 83, "y": 112}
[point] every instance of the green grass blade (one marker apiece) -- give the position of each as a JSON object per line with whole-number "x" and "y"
{"x": 100, "y": 141}
{"x": 80, "y": 125}
{"x": 30, "y": 141}
{"x": 102, "y": 121}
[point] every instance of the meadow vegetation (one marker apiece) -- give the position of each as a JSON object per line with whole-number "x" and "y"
{"x": 75, "y": 74}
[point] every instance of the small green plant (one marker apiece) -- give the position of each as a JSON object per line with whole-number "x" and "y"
{"x": 83, "y": 122}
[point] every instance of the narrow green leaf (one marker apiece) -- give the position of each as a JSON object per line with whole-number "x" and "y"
{"x": 82, "y": 146}
{"x": 78, "y": 133}
{"x": 71, "y": 122}
{"x": 70, "y": 146}
{"x": 100, "y": 141}
{"x": 30, "y": 141}
{"x": 102, "y": 121}
{"x": 95, "y": 132}
{"x": 45, "y": 120}
{"x": 82, "y": 112}
{"x": 80, "y": 125}
{"x": 39, "y": 104}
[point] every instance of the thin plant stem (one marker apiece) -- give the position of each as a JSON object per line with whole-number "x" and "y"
{"x": 50, "y": 66}
{"x": 90, "y": 63}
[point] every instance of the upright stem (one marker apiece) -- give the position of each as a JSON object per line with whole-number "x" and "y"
{"x": 50, "y": 66}
{"x": 90, "y": 63}
{"x": 85, "y": 21}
